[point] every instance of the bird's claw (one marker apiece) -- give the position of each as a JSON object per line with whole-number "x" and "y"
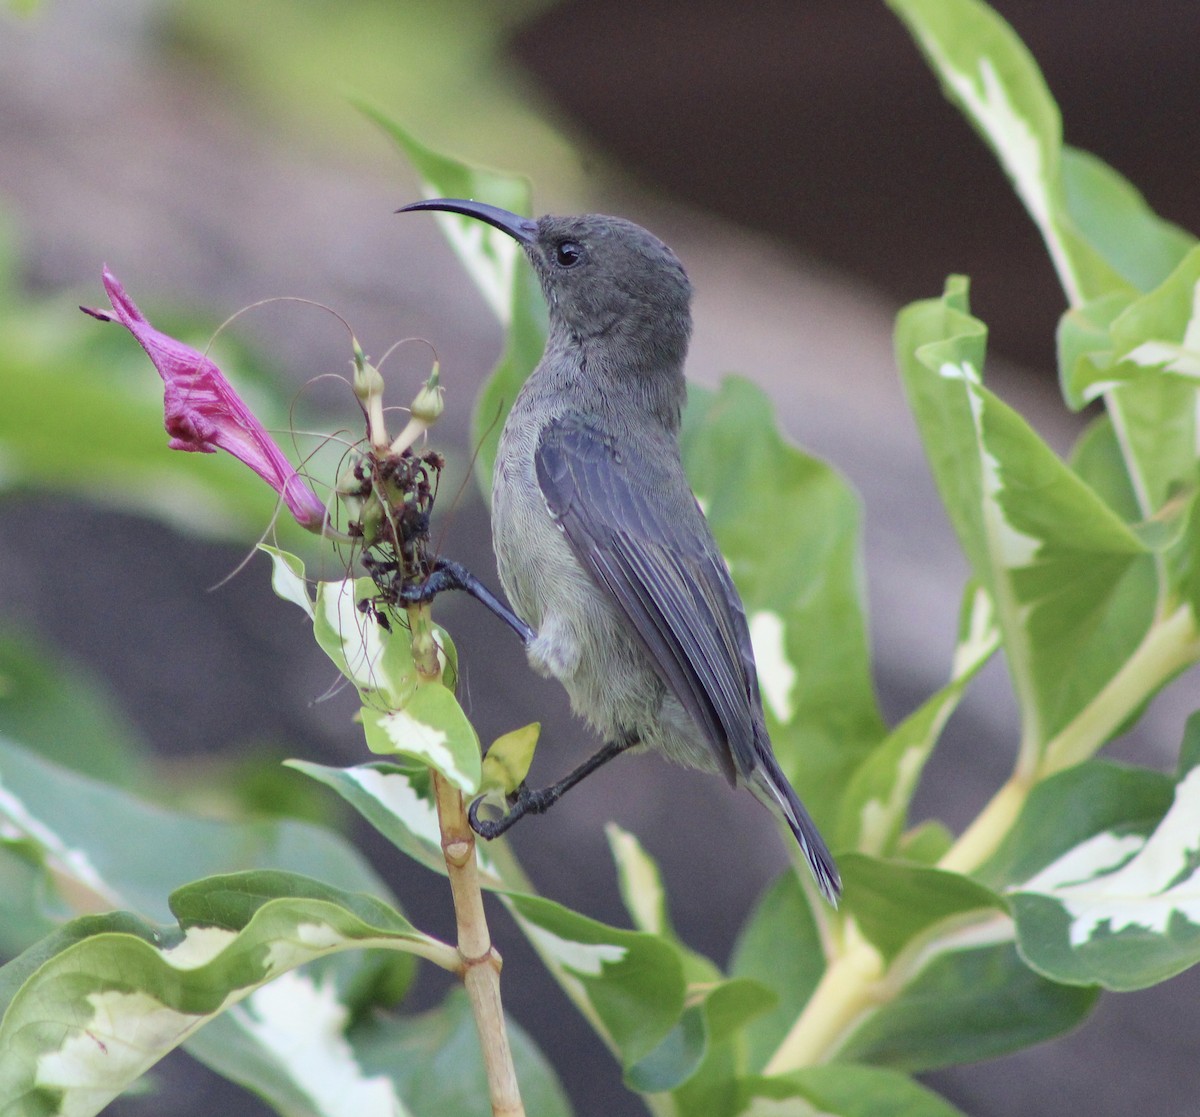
{"x": 521, "y": 802}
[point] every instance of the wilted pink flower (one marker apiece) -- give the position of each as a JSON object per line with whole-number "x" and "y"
{"x": 204, "y": 413}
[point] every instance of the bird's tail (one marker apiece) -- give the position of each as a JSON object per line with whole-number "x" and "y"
{"x": 771, "y": 786}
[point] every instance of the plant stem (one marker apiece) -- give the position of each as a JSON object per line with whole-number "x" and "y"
{"x": 479, "y": 960}
{"x": 854, "y": 982}
{"x": 1170, "y": 644}
{"x": 980, "y": 839}
{"x": 847, "y": 989}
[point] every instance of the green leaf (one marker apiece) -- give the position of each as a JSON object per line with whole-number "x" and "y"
{"x": 1182, "y": 564}
{"x": 1098, "y": 460}
{"x": 523, "y": 345}
{"x": 23, "y": 915}
{"x": 640, "y": 881}
{"x": 1050, "y": 551}
{"x": 990, "y": 75}
{"x": 926, "y": 843}
{"x": 802, "y": 592}
{"x": 843, "y": 1090}
{"x": 378, "y": 662}
{"x": 288, "y": 578}
{"x": 433, "y": 1059}
{"x": 110, "y": 995}
{"x": 1121, "y": 908}
{"x": 496, "y": 264}
{"x": 876, "y": 803}
{"x": 631, "y": 983}
{"x": 1085, "y": 348}
{"x": 1070, "y": 807}
{"x": 780, "y": 946}
{"x": 705, "y": 1025}
{"x": 976, "y": 1001}
{"x": 1153, "y": 382}
{"x": 398, "y": 802}
{"x": 431, "y": 728}
{"x": 896, "y": 903}
{"x": 1113, "y": 215}
{"x": 77, "y": 831}
{"x": 506, "y": 763}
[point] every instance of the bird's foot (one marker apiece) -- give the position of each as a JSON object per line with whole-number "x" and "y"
{"x": 521, "y": 802}
{"x": 524, "y": 801}
{"x": 447, "y": 575}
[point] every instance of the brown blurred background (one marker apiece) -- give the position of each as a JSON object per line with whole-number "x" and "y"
{"x": 799, "y": 157}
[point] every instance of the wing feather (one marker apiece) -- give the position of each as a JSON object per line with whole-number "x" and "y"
{"x": 641, "y": 535}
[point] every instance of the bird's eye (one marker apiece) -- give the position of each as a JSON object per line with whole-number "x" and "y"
{"x": 568, "y": 254}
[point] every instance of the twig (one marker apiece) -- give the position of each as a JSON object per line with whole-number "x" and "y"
{"x": 480, "y": 962}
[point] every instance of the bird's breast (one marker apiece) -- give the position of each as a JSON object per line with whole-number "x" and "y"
{"x": 534, "y": 560}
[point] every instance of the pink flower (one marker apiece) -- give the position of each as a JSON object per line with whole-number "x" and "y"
{"x": 203, "y": 413}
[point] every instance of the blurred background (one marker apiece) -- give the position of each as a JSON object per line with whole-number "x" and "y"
{"x": 798, "y": 156}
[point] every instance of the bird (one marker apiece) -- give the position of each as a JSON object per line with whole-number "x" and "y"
{"x": 616, "y": 583}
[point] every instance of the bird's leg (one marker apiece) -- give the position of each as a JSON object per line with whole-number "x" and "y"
{"x": 524, "y": 801}
{"x": 448, "y": 575}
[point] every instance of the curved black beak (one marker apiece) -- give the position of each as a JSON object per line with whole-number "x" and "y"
{"x": 521, "y": 229}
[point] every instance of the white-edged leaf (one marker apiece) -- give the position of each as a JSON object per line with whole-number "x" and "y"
{"x": 988, "y": 72}
{"x": 640, "y": 881}
{"x": 99, "y": 847}
{"x": 378, "y": 662}
{"x": 1060, "y": 565}
{"x": 398, "y": 803}
{"x": 92, "y": 1008}
{"x": 431, "y": 728}
{"x": 287, "y": 578}
{"x": 287, "y": 1041}
{"x": 1121, "y": 908}
{"x": 630, "y": 984}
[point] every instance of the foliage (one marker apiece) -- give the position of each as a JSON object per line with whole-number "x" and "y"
{"x": 1079, "y": 875}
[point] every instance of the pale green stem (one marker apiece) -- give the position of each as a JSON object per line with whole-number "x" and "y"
{"x": 856, "y": 982}
{"x": 980, "y": 839}
{"x": 1170, "y": 644}
{"x": 439, "y": 953}
{"x": 846, "y": 991}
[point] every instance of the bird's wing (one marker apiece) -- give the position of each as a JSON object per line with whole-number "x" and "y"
{"x": 639, "y": 532}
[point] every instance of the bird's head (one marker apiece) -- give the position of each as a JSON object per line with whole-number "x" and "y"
{"x": 606, "y": 280}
